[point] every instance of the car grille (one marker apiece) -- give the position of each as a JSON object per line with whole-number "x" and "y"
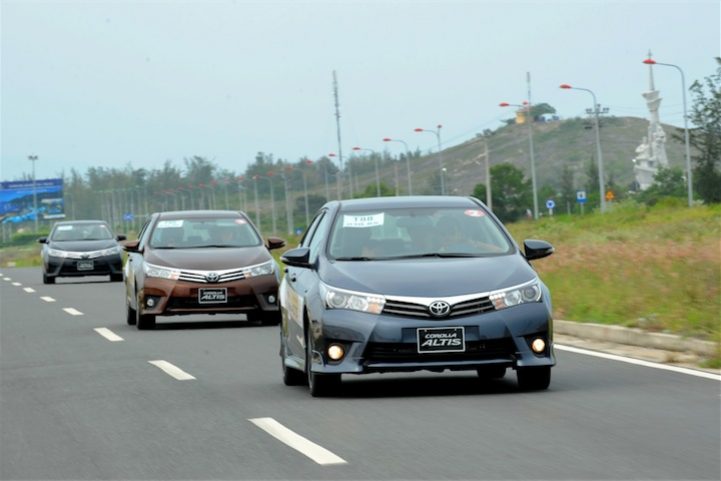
{"x": 201, "y": 276}
{"x": 410, "y": 309}
{"x": 192, "y": 303}
{"x": 383, "y": 352}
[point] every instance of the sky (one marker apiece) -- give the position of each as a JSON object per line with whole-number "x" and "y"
{"x": 111, "y": 83}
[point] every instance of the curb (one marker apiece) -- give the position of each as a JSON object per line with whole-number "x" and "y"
{"x": 635, "y": 337}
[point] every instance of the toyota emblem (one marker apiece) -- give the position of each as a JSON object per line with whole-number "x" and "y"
{"x": 439, "y": 308}
{"x": 212, "y": 277}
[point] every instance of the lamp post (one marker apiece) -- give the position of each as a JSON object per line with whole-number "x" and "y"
{"x": 339, "y": 178}
{"x": 596, "y": 126}
{"x": 257, "y": 208}
{"x": 308, "y": 163}
{"x": 33, "y": 158}
{"x": 375, "y": 159}
{"x": 650, "y": 61}
{"x": 437, "y": 133}
{"x": 269, "y": 178}
{"x": 408, "y": 162}
{"x": 531, "y": 152}
{"x": 288, "y": 206}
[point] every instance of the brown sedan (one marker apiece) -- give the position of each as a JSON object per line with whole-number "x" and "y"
{"x": 200, "y": 262}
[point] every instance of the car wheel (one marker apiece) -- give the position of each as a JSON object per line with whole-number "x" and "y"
{"x": 320, "y": 385}
{"x": 48, "y": 279}
{"x": 491, "y": 372}
{"x": 130, "y": 315}
{"x": 143, "y": 321}
{"x": 534, "y": 378}
{"x": 292, "y": 377}
{"x": 116, "y": 278}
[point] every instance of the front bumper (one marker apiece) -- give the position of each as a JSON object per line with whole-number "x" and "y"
{"x": 387, "y": 343}
{"x": 181, "y": 297}
{"x": 67, "y": 267}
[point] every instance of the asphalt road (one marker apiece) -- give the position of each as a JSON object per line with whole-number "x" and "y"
{"x": 75, "y": 405}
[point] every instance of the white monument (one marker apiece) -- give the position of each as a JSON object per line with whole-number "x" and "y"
{"x": 651, "y": 154}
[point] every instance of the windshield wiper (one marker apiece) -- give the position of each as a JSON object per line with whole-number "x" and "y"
{"x": 356, "y": 258}
{"x": 442, "y": 255}
{"x": 211, "y": 245}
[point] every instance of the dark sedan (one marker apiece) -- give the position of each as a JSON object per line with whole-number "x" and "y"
{"x": 200, "y": 262}
{"x": 413, "y": 283}
{"x": 81, "y": 248}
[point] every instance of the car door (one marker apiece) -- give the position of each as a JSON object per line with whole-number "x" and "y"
{"x": 297, "y": 283}
{"x": 134, "y": 265}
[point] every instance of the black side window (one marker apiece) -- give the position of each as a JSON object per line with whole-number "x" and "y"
{"x": 305, "y": 240}
{"x": 317, "y": 240}
{"x": 143, "y": 235}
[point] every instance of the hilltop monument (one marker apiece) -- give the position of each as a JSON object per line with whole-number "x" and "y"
{"x": 651, "y": 154}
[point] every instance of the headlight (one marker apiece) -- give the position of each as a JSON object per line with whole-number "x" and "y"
{"x": 57, "y": 253}
{"x": 160, "y": 272}
{"x": 355, "y": 301}
{"x": 517, "y": 295}
{"x": 108, "y": 252}
{"x": 260, "y": 270}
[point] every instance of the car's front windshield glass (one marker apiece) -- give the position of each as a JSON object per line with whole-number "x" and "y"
{"x": 203, "y": 232}
{"x": 416, "y": 232}
{"x": 81, "y": 232}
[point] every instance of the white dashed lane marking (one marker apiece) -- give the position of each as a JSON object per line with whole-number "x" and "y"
{"x": 47, "y": 299}
{"x": 172, "y": 370}
{"x": 17, "y": 284}
{"x": 72, "y": 311}
{"x": 108, "y": 334}
{"x": 7, "y": 279}
{"x": 29, "y": 290}
{"x": 317, "y": 453}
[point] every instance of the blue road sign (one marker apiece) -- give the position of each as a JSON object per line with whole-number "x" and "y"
{"x": 581, "y": 196}
{"x": 128, "y": 217}
{"x": 550, "y": 204}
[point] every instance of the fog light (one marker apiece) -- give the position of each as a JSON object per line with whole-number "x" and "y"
{"x": 150, "y": 302}
{"x": 538, "y": 345}
{"x": 271, "y": 299}
{"x": 336, "y": 352}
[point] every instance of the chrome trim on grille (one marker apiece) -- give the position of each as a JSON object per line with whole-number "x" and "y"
{"x": 226, "y": 275}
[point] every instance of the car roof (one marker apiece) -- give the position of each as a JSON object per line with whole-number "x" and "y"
{"x": 198, "y": 214}
{"x": 405, "y": 201}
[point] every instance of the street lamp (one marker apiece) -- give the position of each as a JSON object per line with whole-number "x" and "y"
{"x": 375, "y": 159}
{"x": 601, "y": 182}
{"x": 408, "y": 162}
{"x": 339, "y": 178}
{"x": 650, "y": 61}
{"x": 531, "y": 152}
{"x": 308, "y": 163}
{"x": 33, "y": 158}
{"x": 437, "y": 133}
{"x": 288, "y": 206}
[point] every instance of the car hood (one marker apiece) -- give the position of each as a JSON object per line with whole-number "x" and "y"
{"x": 428, "y": 277}
{"x": 83, "y": 245}
{"x": 208, "y": 259}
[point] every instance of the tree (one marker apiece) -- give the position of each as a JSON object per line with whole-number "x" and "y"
{"x": 541, "y": 109}
{"x": 666, "y": 183}
{"x": 510, "y": 192}
{"x": 371, "y": 191}
{"x": 706, "y": 137}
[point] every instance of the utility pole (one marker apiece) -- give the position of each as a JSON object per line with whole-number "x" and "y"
{"x": 340, "y": 148}
{"x": 529, "y": 119}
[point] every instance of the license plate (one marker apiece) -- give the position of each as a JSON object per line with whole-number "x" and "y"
{"x": 441, "y": 339}
{"x": 213, "y": 296}
{"x": 86, "y": 265}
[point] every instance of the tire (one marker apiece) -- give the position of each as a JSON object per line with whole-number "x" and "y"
{"x": 143, "y": 321}
{"x": 130, "y": 316}
{"x": 116, "y": 278}
{"x": 534, "y": 378}
{"x": 320, "y": 385}
{"x": 48, "y": 279}
{"x": 491, "y": 372}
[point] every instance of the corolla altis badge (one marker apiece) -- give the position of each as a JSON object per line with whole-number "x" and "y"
{"x": 439, "y": 308}
{"x": 212, "y": 277}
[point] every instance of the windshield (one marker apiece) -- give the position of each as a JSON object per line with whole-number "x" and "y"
{"x": 416, "y": 232}
{"x": 80, "y": 232}
{"x": 197, "y": 233}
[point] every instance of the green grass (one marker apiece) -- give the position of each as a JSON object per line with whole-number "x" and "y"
{"x": 657, "y": 268}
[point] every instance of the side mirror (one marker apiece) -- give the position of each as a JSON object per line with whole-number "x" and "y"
{"x": 121, "y": 237}
{"x": 537, "y": 249}
{"x": 43, "y": 240}
{"x": 275, "y": 243}
{"x": 297, "y": 257}
{"x": 131, "y": 246}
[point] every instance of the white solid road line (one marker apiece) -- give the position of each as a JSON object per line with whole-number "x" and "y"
{"x": 29, "y": 290}
{"x": 47, "y": 299}
{"x": 638, "y": 362}
{"x": 17, "y": 284}
{"x": 108, "y": 334}
{"x": 172, "y": 370}
{"x": 315, "y": 452}
{"x": 72, "y": 311}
